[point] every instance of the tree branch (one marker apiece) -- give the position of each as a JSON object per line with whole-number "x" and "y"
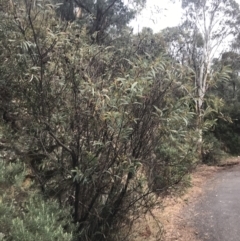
{"x": 79, "y": 4}
{"x": 56, "y": 139}
{"x": 105, "y": 11}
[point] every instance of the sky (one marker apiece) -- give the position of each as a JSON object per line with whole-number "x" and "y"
{"x": 158, "y": 15}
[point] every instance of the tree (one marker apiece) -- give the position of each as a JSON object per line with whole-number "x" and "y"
{"x": 148, "y": 44}
{"x": 211, "y": 21}
{"x": 227, "y": 128}
{"x": 102, "y": 16}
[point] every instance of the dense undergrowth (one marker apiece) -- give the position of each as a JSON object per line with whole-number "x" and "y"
{"x": 91, "y": 133}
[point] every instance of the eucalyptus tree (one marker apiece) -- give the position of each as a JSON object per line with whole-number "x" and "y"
{"x": 208, "y": 23}
{"x": 183, "y": 45}
{"x": 101, "y": 16}
{"x": 148, "y": 44}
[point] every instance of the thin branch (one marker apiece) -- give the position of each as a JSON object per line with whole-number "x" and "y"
{"x": 57, "y": 140}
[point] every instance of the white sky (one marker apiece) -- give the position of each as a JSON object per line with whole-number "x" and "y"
{"x": 158, "y": 15}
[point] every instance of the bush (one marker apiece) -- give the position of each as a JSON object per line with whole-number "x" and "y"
{"x": 24, "y": 214}
{"x": 212, "y": 149}
{"x": 90, "y": 122}
{"x": 228, "y": 132}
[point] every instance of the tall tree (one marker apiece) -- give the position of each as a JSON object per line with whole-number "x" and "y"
{"x": 211, "y": 22}
{"x": 101, "y": 15}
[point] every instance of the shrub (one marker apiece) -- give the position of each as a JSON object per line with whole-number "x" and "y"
{"x": 90, "y": 122}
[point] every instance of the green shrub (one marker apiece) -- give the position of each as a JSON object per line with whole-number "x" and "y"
{"x": 212, "y": 150}
{"x": 89, "y": 121}
{"x": 24, "y": 214}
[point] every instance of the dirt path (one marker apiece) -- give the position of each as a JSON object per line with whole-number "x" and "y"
{"x": 209, "y": 210}
{"x": 179, "y": 216}
{"x": 212, "y": 212}
{"x": 216, "y": 215}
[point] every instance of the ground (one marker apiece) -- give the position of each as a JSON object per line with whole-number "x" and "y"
{"x": 217, "y": 214}
{"x": 176, "y": 218}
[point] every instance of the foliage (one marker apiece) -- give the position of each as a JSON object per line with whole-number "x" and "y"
{"x": 175, "y": 153}
{"x": 98, "y": 127}
{"x": 213, "y": 149}
{"x": 195, "y": 43}
{"x": 24, "y": 214}
{"x": 226, "y": 130}
{"x": 101, "y": 120}
{"x": 103, "y": 18}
